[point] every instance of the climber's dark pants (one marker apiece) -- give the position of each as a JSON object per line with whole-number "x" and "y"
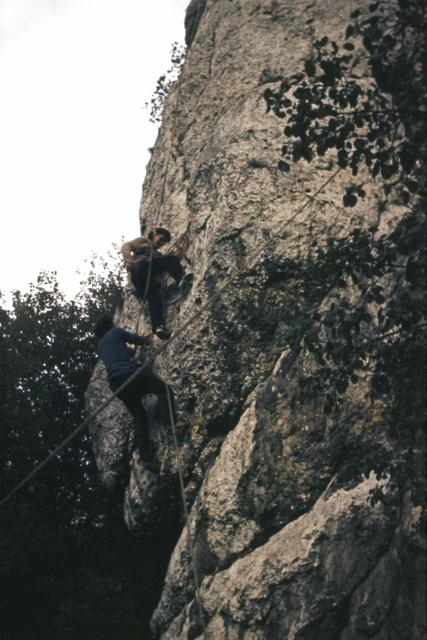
{"x": 151, "y": 292}
{"x": 131, "y": 396}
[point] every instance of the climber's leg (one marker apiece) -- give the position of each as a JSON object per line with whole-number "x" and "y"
{"x": 155, "y": 306}
{"x": 150, "y": 292}
{"x": 131, "y": 398}
{"x": 140, "y": 273}
{"x": 166, "y": 264}
{"x": 150, "y": 383}
{"x": 140, "y": 419}
{"x": 144, "y": 269}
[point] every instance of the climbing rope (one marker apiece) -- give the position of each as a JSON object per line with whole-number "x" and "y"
{"x": 156, "y": 352}
{"x": 72, "y": 435}
{"x": 186, "y": 513}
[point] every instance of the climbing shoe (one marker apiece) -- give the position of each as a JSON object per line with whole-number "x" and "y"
{"x": 161, "y": 332}
{"x": 186, "y": 283}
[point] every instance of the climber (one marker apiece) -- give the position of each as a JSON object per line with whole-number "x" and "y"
{"x": 144, "y": 264}
{"x": 118, "y": 360}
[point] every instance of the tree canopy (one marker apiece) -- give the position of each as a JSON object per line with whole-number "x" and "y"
{"x": 68, "y": 566}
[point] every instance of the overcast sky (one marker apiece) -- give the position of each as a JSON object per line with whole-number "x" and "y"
{"x": 74, "y": 77}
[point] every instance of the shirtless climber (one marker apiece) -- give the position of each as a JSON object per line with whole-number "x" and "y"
{"x": 118, "y": 360}
{"x": 144, "y": 263}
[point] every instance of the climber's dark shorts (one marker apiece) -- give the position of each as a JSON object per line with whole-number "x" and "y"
{"x": 143, "y": 383}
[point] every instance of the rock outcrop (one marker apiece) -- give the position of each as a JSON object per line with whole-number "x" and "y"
{"x": 288, "y": 535}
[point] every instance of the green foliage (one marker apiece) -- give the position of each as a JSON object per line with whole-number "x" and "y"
{"x": 380, "y": 123}
{"x": 364, "y": 314}
{"x": 165, "y": 83}
{"x": 377, "y": 331}
{"x": 59, "y": 537}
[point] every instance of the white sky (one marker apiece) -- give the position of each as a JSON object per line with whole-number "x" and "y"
{"x": 74, "y": 78}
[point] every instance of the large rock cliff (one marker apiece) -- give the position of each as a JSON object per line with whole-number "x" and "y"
{"x": 284, "y": 531}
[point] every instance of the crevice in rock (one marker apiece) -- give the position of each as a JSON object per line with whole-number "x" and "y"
{"x": 344, "y": 617}
{"x": 193, "y": 15}
{"x": 213, "y": 45}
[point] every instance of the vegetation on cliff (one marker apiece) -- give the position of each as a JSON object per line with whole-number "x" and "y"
{"x": 374, "y": 123}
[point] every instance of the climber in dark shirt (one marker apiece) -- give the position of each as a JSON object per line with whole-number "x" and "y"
{"x": 118, "y": 360}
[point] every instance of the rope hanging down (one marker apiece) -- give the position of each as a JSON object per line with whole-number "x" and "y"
{"x": 155, "y": 353}
{"x": 186, "y": 514}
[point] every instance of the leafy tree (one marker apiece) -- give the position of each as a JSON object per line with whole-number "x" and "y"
{"x": 60, "y": 539}
{"x": 165, "y": 83}
{"x": 365, "y": 308}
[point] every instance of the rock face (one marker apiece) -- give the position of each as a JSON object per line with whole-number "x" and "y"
{"x": 286, "y": 534}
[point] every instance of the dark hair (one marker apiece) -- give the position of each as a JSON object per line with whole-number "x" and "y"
{"x": 103, "y": 324}
{"x": 160, "y": 231}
